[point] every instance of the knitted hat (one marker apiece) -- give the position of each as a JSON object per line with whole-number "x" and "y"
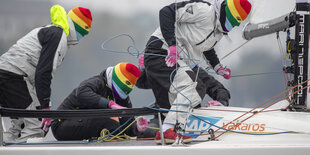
{"x": 124, "y": 77}
{"x": 237, "y": 11}
{"x": 82, "y": 19}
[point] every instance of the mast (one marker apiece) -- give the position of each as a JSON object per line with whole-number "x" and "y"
{"x": 301, "y": 100}
{"x": 297, "y": 47}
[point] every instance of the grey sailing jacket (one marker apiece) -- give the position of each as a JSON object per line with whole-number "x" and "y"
{"x": 193, "y": 25}
{"x": 37, "y": 55}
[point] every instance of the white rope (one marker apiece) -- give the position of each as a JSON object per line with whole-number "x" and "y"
{"x": 234, "y": 50}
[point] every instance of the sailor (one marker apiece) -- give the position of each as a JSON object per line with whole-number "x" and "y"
{"x": 27, "y": 68}
{"x": 214, "y": 89}
{"x": 109, "y": 90}
{"x": 189, "y": 30}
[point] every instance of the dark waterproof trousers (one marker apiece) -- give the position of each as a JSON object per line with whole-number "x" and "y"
{"x": 86, "y": 128}
{"x": 14, "y": 92}
{"x": 158, "y": 76}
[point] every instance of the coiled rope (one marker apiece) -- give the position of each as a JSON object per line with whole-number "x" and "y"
{"x": 106, "y": 136}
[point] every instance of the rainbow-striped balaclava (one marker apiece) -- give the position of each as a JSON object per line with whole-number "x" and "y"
{"x": 124, "y": 77}
{"x": 232, "y": 12}
{"x": 82, "y": 20}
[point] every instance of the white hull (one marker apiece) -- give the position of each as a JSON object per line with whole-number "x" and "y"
{"x": 216, "y": 148}
{"x": 229, "y": 143}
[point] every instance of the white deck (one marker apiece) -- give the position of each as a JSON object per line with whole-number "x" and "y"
{"x": 228, "y": 144}
{"x": 285, "y": 146}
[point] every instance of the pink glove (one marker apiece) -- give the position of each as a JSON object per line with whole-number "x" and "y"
{"x": 142, "y": 124}
{"x": 46, "y": 122}
{"x": 225, "y": 72}
{"x": 172, "y": 57}
{"x": 113, "y": 105}
{"x": 214, "y": 103}
{"x": 141, "y": 62}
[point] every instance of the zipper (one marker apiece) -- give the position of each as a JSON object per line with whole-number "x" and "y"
{"x": 206, "y": 38}
{"x": 213, "y": 45}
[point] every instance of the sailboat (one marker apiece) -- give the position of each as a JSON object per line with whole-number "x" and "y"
{"x": 276, "y": 126}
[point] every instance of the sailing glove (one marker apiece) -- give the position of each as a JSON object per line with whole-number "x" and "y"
{"x": 214, "y": 103}
{"x": 141, "y": 62}
{"x": 46, "y": 122}
{"x": 172, "y": 57}
{"x": 142, "y": 124}
{"x": 225, "y": 72}
{"x": 113, "y": 105}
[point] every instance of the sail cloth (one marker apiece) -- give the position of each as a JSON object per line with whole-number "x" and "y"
{"x": 264, "y": 10}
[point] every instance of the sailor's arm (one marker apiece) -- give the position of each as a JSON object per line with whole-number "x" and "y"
{"x": 87, "y": 94}
{"x": 214, "y": 61}
{"x": 49, "y": 39}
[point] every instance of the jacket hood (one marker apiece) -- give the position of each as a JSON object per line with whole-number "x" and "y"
{"x": 59, "y": 17}
{"x": 217, "y": 7}
{"x": 103, "y": 75}
{"x": 219, "y": 26}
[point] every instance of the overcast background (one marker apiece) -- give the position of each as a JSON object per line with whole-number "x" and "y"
{"x": 139, "y": 18}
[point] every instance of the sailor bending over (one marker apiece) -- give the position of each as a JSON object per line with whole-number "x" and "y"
{"x": 27, "y": 68}
{"x": 108, "y": 90}
{"x": 190, "y": 30}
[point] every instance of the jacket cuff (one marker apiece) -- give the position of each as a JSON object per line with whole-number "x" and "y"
{"x": 103, "y": 103}
{"x": 217, "y": 67}
{"x": 44, "y": 104}
{"x": 225, "y": 103}
{"x": 171, "y": 43}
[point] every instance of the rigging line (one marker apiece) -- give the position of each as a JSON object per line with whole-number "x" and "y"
{"x": 266, "y": 108}
{"x": 164, "y": 110}
{"x": 253, "y": 74}
{"x": 267, "y": 101}
{"x": 176, "y": 68}
{"x": 119, "y": 51}
{"x": 283, "y": 57}
{"x": 174, "y": 87}
{"x": 106, "y": 138}
{"x": 223, "y": 128}
{"x": 135, "y": 51}
{"x": 280, "y": 49}
{"x": 228, "y": 130}
{"x": 183, "y": 126}
{"x": 205, "y": 132}
{"x": 234, "y": 50}
{"x": 105, "y": 132}
{"x": 281, "y": 109}
{"x": 100, "y": 139}
{"x": 242, "y": 75}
